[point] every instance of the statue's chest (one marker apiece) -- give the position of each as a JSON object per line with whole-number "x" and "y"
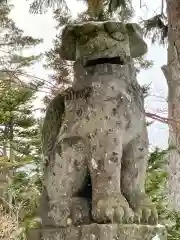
{"x": 108, "y": 107}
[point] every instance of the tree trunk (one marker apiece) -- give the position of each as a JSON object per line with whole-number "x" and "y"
{"x": 5, "y": 133}
{"x": 11, "y": 156}
{"x": 11, "y": 137}
{"x": 4, "y": 172}
{"x": 172, "y": 74}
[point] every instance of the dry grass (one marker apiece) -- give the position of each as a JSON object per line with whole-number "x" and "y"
{"x": 8, "y": 226}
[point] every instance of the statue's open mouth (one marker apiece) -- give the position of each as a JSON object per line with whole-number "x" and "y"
{"x": 113, "y": 60}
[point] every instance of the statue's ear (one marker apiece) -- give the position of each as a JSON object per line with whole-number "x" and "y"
{"x": 138, "y": 47}
{"x": 68, "y": 46}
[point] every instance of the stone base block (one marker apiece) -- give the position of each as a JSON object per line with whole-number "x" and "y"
{"x": 101, "y": 232}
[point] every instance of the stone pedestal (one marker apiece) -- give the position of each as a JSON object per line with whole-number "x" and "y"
{"x": 101, "y": 232}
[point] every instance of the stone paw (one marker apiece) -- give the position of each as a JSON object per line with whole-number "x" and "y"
{"x": 145, "y": 211}
{"x": 112, "y": 209}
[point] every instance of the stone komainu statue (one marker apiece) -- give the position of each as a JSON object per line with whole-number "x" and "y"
{"x": 95, "y": 142}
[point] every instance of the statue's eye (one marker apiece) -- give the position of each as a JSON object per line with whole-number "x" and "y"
{"x": 79, "y": 112}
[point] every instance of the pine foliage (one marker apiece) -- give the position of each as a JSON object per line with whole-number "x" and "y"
{"x": 156, "y": 28}
{"x": 96, "y": 7}
{"x": 20, "y": 146}
{"x": 156, "y": 180}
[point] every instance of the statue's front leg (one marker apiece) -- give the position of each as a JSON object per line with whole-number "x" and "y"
{"x": 108, "y": 204}
{"x": 133, "y": 173}
{"x": 64, "y": 177}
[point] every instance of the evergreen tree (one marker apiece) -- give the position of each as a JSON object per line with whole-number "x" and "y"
{"x": 156, "y": 180}
{"x": 95, "y": 8}
{"x": 20, "y": 145}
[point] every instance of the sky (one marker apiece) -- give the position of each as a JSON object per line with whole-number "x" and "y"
{"x": 43, "y": 26}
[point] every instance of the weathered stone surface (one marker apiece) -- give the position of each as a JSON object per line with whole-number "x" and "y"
{"x": 105, "y": 135}
{"x": 101, "y": 232}
{"x": 92, "y": 40}
{"x": 97, "y": 130}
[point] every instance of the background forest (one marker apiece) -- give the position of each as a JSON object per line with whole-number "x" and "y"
{"x": 32, "y": 73}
